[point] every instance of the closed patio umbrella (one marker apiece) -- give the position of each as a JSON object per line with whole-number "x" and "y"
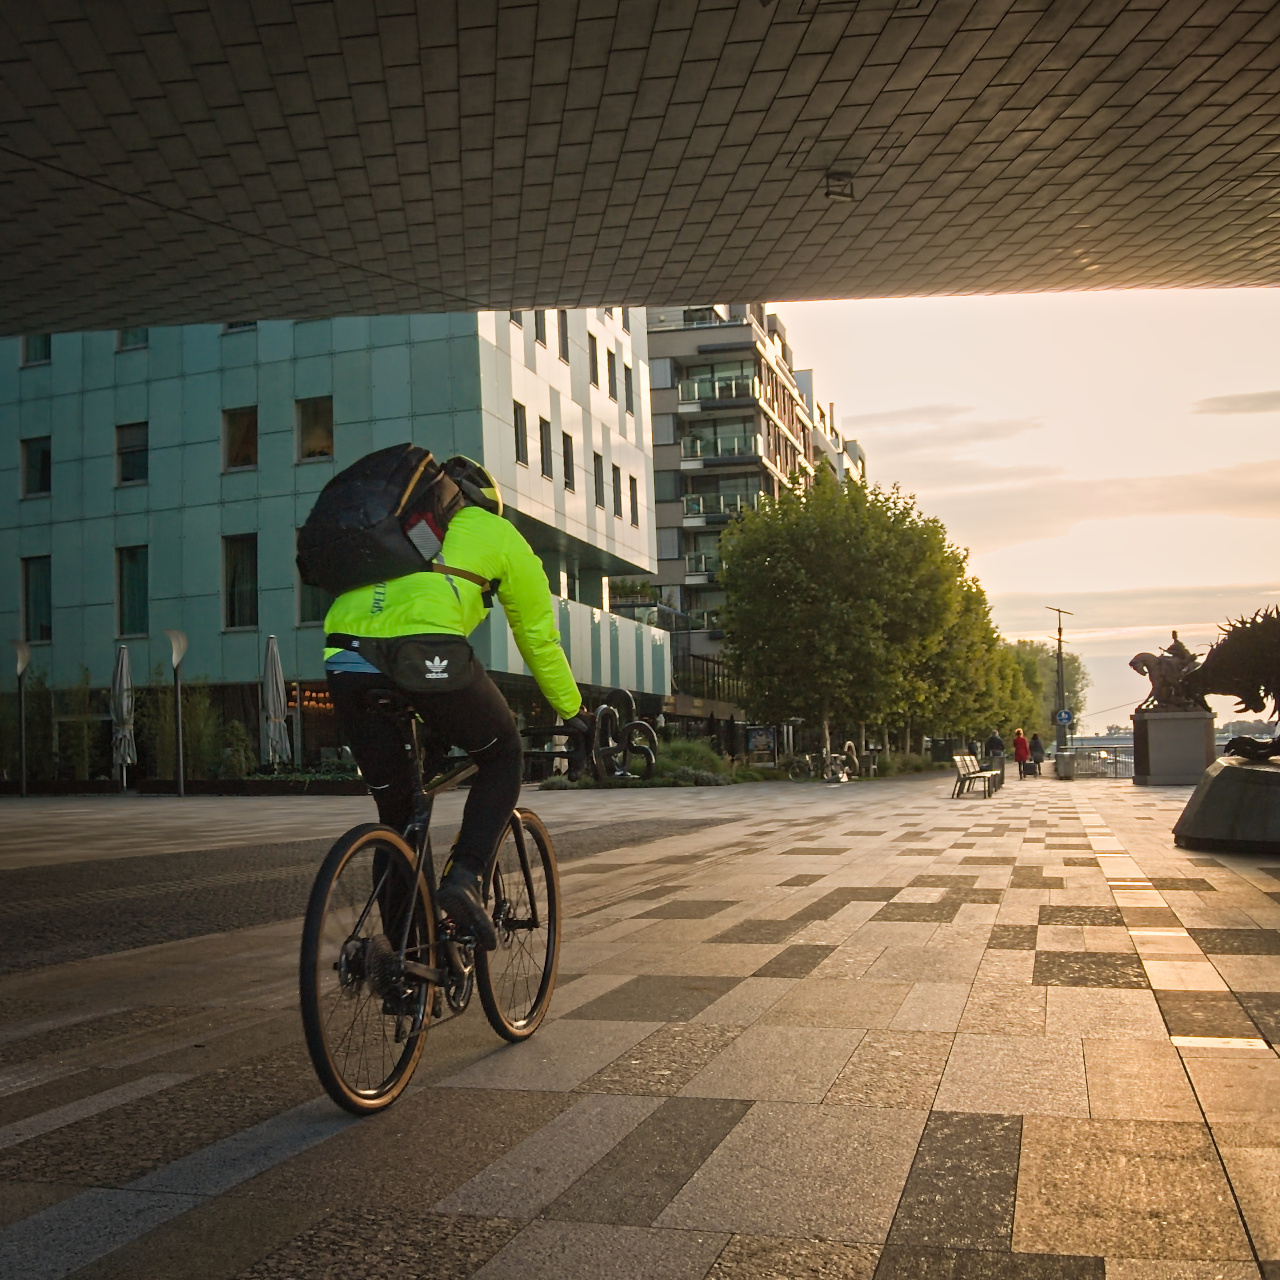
{"x": 276, "y": 704}
{"x": 124, "y": 751}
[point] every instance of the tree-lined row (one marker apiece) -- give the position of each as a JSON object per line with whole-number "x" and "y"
{"x": 849, "y": 608}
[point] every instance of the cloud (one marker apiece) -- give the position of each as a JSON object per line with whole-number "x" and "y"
{"x": 945, "y": 439}
{"x": 929, "y": 414}
{"x": 1248, "y": 402}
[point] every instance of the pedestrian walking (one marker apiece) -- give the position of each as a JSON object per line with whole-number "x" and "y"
{"x": 1021, "y": 752}
{"x": 995, "y": 744}
{"x": 1037, "y": 752}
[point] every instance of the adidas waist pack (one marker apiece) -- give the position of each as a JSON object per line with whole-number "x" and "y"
{"x": 382, "y": 517}
{"x": 421, "y": 664}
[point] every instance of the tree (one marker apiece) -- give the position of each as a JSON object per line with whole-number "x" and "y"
{"x": 1042, "y": 658}
{"x": 834, "y": 600}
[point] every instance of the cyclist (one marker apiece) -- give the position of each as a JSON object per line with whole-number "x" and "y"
{"x": 471, "y": 713}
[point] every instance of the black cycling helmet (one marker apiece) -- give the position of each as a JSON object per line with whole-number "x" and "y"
{"x": 475, "y": 482}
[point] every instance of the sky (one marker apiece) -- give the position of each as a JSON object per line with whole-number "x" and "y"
{"x": 1114, "y": 453}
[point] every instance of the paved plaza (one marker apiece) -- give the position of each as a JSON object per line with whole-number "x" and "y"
{"x": 832, "y": 1032}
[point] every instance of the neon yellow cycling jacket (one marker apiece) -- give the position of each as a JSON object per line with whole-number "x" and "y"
{"x": 441, "y": 604}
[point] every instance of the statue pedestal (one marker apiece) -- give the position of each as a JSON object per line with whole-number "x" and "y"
{"x": 1235, "y": 809}
{"x": 1171, "y": 748}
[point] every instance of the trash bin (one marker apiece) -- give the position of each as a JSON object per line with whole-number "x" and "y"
{"x": 1064, "y": 764}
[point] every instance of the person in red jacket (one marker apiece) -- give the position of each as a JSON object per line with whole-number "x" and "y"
{"x": 1021, "y": 752}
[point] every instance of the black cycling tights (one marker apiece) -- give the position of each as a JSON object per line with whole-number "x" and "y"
{"x": 477, "y": 719}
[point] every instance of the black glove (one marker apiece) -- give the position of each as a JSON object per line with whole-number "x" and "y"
{"x": 581, "y": 732}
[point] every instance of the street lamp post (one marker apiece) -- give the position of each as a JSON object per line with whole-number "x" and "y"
{"x": 1060, "y": 728}
{"x": 24, "y": 660}
{"x": 178, "y": 642}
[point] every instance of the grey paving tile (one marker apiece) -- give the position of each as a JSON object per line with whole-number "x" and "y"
{"x": 785, "y": 1170}
{"x": 1236, "y": 1090}
{"x": 1089, "y": 969}
{"x": 904, "y": 1262}
{"x": 931, "y": 1006}
{"x": 749, "y": 1000}
{"x": 1034, "y": 878}
{"x": 636, "y": 1180}
{"x": 1004, "y": 1008}
{"x": 704, "y": 959}
{"x": 1015, "y": 1075}
{"x": 1138, "y": 1080}
{"x": 758, "y": 931}
{"x": 1204, "y": 1013}
{"x": 916, "y": 912}
{"x": 963, "y": 1182}
{"x": 1013, "y": 937}
{"x": 556, "y": 1250}
{"x": 986, "y": 860}
{"x": 801, "y": 881}
{"x": 1237, "y": 942}
{"x": 1179, "y": 884}
{"x": 831, "y": 903}
{"x": 664, "y": 1062}
{"x": 1250, "y": 972}
{"x": 848, "y": 962}
{"x": 892, "y": 1069}
{"x": 1081, "y": 915}
{"x": 1255, "y": 1179}
{"x": 655, "y": 998}
{"x": 427, "y": 1245}
{"x": 521, "y": 1183}
{"x": 1175, "y": 1269}
{"x": 1149, "y": 917}
{"x": 561, "y": 1055}
{"x": 780, "y": 1258}
{"x": 796, "y": 961}
{"x": 685, "y": 909}
{"x": 1103, "y": 1013}
{"x": 839, "y": 1002}
{"x": 926, "y": 964}
{"x": 1264, "y": 1008}
{"x": 1124, "y": 1188}
{"x": 811, "y": 851}
{"x": 931, "y": 880}
{"x": 778, "y": 1064}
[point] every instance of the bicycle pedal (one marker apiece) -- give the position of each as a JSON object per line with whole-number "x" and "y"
{"x": 437, "y": 1004}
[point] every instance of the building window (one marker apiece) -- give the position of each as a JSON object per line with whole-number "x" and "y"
{"x": 566, "y": 445}
{"x": 635, "y": 502}
{"x": 37, "y": 599}
{"x": 240, "y": 438}
{"x": 562, "y": 326}
{"x": 132, "y": 339}
{"x": 626, "y": 319}
{"x": 627, "y": 389}
{"x": 132, "y": 593}
{"x": 240, "y": 581}
{"x": 238, "y": 326}
{"x": 37, "y": 348}
{"x": 593, "y": 359}
{"x": 522, "y": 433}
{"x": 666, "y": 486}
{"x": 617, "y": 492}
{"x": 612, "y": 362}
{"x": 599, "y": 478}
{"x": 540, "y": 327}
{"x": 315, "y": 428}
{"x": 544, "y": 447}
{"x": 132, "y": 456}
{"x": 37, "y": 466}
{"x": 609, "y": 312}
{"x": 517, "y": 319}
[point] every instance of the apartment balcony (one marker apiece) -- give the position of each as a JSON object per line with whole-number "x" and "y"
{"x": 703, "y": 505}
{"x": 702, "y": 563}
{"x": 704, "y": 620}
{"x": 695, "y": 393}
{"x": 721, "y": 448}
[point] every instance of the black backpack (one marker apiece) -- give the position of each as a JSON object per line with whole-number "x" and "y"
{"x": 368, "y": 523}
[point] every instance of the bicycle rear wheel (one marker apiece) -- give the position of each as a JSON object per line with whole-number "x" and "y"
{"x": 516, "y": 980}
{"x": 365, "y": 1020}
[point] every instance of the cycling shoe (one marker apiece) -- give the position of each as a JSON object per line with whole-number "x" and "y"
{"x": 461, "y": 897}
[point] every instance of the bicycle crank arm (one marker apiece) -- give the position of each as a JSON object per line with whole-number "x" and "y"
{"x": 415, "y": 970}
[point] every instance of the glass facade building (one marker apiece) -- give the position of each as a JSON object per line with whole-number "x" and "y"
{"x": 155, "y": 478}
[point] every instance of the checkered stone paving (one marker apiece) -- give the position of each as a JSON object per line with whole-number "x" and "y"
{"x": 786, "y": 1043}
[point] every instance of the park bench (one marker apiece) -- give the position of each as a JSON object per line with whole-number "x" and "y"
{"x": 969, "y": 772}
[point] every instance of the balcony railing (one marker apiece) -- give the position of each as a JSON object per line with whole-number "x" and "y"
{"x": 720, "y": 447}
{"x": 696, "y": 389}
{"x": 702, "y": 562}
{"x": 719, "y": 504}
{"x": 704, "y": 677}
{"x": 704, "y": 619}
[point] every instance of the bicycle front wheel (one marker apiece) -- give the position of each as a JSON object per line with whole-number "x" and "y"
{"x": 516, "y": 980}
{"x": 365, "y": 1020}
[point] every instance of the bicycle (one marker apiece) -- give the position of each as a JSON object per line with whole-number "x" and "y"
{"x": 379, "y": 960}
{"x": 838, "y": 768}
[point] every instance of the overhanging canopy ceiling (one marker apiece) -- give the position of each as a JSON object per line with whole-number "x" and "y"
{"x": 163, "y": 161}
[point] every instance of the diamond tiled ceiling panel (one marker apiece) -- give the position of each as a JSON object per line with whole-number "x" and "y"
{"x": 168, "y": 161}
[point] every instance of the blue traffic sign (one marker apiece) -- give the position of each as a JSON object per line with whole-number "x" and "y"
{"x": 1064, "y": 716}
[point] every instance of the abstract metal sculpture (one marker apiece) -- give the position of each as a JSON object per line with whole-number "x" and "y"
{"x": 1244, "y": 664}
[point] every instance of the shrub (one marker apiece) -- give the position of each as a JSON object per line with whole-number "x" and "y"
{"x": 237, "y": 750}
{"x": 557, "y": 782}
{"x": 688, "y": 753}
{"x": 702, "y": 778}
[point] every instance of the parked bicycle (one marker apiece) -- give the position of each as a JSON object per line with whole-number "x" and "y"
{"x": 380, "y": 960}
{"x": 836, "y": 768}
